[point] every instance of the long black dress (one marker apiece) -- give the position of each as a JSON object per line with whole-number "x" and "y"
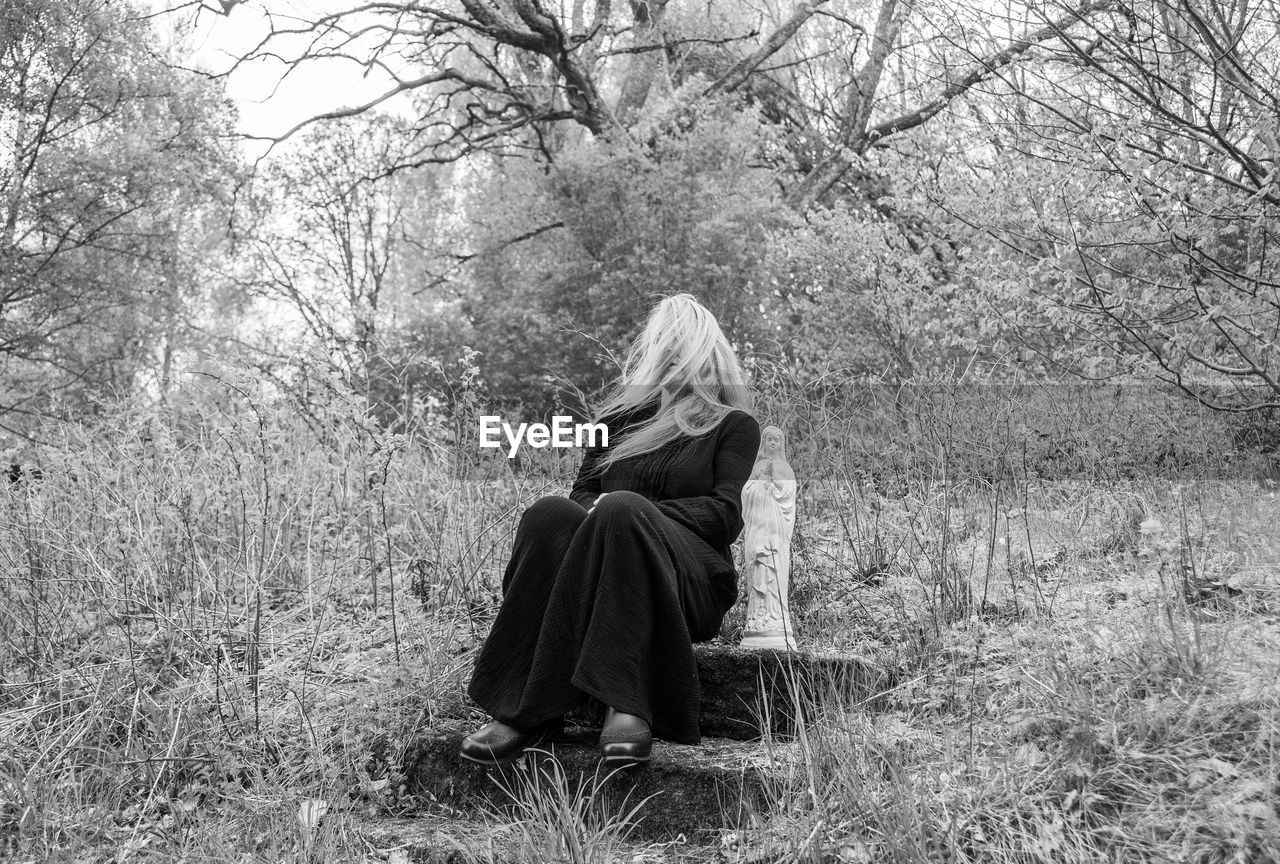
{"x": 608, "y": 605}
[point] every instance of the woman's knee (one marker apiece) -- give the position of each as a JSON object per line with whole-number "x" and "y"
{"x": 549, "y": 518}
{"x": 552, "y": 509}
{"x": 546, "y": 529}
{"x": 621, "y": 505}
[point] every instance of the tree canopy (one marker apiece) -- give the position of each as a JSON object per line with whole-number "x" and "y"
{"x": 855, "y": 187}
{"x": 115, "y": 172}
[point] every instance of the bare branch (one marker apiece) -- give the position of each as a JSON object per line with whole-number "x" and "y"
{"x": 855, "y": 114}
{"x": 741, "y": 71}
{"x": 463, "y": 258}
{"x": 982, "y": 71}
{"x": 402, "y": 87}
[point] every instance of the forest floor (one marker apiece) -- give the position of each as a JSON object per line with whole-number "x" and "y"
{"x": 1084, "y": 672}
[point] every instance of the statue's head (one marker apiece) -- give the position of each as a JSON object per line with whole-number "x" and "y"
{"x": 773, "y": 443}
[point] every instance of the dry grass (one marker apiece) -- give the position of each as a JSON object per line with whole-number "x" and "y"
{"x": 212, "y": 614}
{"x": 1158, "y": 747}
{"x": 222, "y": 622}
{"x": 1120, "y": 705}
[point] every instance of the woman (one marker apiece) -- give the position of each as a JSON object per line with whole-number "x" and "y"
{"x": 607, "y": 589}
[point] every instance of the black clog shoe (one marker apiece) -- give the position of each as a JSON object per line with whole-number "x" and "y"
{"x": 625, "y": 739}
{"x": 496, "y": 743}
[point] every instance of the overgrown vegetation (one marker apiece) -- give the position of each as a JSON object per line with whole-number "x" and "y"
{"x": 224, "y": 619}
{"x": 232, "y": 596}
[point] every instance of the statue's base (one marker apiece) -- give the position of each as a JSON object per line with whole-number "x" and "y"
{"x": 775, "y": 639}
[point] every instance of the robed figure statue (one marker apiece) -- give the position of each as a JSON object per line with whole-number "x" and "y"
{"x": 769, "y": 517}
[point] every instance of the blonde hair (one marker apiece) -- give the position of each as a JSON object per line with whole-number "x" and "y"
{"x": 682, "y": 363}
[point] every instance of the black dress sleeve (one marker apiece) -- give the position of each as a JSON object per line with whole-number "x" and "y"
{"x": 717, "y": 517}
{"x": 587, "y": 487}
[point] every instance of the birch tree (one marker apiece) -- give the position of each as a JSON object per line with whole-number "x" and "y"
{"x": 111, "y": 175}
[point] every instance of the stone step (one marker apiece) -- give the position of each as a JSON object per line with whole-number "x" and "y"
{"x": 684, "y": 789}
{"x": 435, "y": 839}
{"x": 743, "y": 688}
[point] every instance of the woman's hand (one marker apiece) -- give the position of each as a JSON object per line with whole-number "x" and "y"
{"x": 595, "y": 502}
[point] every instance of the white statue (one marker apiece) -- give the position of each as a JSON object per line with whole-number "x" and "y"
{"x": 768, "y": 516}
